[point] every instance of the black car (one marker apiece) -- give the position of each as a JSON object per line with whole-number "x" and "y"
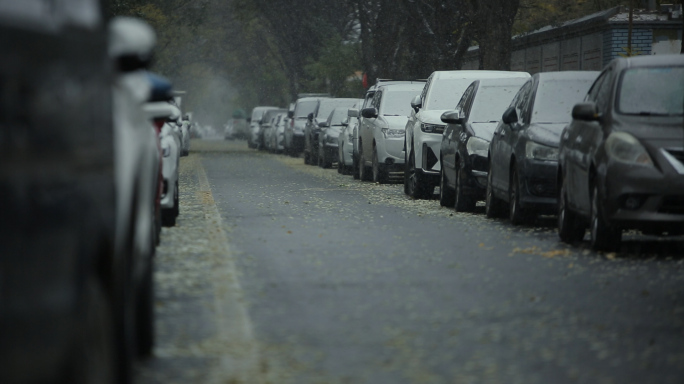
{"x": 523, "y": 154}
{"x": 315, "y": 121}
{"x": 466, "y": 137}
{"x": 622, "y": 156}
{"x": 59, "y": 297}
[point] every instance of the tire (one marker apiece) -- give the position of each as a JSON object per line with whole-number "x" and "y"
{"x": 416, "y": 188}
{"x": 516, "y": 213}
{"x": 364, "y": 175}
{"x": 324, "y": 161}
{"x": 176, "y": 205}
{"x": 570, "y": 227}
{"x": 447, "y": 197}
{"x": 145, "y": 314}
{"x": 355, "y": 167}
{"x": 307, "y": 158}
{"x": 604, "y": 237}
{"x": 379, "y": 176}
{"x": 464, "y": 202}
{"x": 494, "y": 207}
{"x": 94, "y": 359}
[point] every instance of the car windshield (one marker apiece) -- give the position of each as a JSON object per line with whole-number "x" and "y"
{"x": 444, "y": 94}
{"x": 491, "y": 101}
{"x": 338, "y": 116}
{"x": 555, "y": 98}
{"x": 257, "y": 114}
{"x": 327, "y": 106}
{"x": 652, "y": 91}
{"x": 303, "y": 108}
{"x": 397, "y": 103}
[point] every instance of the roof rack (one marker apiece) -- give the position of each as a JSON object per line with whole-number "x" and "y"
{"x": 302, "y": 95}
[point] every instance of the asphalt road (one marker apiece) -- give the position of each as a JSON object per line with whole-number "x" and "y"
{"x": 279, "y": 272}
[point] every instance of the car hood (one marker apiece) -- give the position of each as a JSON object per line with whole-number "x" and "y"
{"x": 546, "y": 134}
{"x": 654, "y": 129}
{"x": 395, "y": 122}
{"x": 334, "y": 130}
{"x": 432, "y": 116}
{"x": 484, "y": 130}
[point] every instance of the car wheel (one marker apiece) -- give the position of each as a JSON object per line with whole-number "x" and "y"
{"x": 416, "y": 185}
{"x": 516, "y": 213}
{"x": 355, "y": 167}
{"x": 94, "y": 360}
{"x": 364, "y": 175}
{"x": 464, "y": 201}
{"x": 340, "y": 163}
{"x": 447, "y": 198}
{"x": 379, "y": 175}
{"x": 570, "y": 228}
{"x": 494, "y": 207}
{"x": 176, "y": 205}
{"x": 604, "y": 237}
{"x": 307, "y": 158}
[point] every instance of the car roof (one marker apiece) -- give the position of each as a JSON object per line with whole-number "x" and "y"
{"x": 476, "y": 74}
{"x": 336, "y": 100}
{"x": 415, "y": 86}
{"x": 566, "y": 75}
{"x": 304, "y": 99}
{"x": 653, "y": 60}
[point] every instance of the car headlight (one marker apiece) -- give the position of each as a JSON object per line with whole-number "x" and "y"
{"x": 166, "y": 150}
{"x": 540, "y": 152}
{"x": 432, "y": 128}
{"x": 393, "y": 133}
{"x": 626, "y": 148}
{"x": 477, "y": 146}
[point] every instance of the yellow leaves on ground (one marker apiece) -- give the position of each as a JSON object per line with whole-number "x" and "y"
{"x": 538, "y": 251}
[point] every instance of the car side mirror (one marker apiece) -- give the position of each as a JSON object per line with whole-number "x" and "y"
{"x": 510, "y": 116}
{"x": 345, "y": 122}
{"x": 416, "y": 103}
{"x": 353, "y": 112}
{"x": 131, "y": 42}
{"x": 586, "y": 112}
{"x": 310, "y": 116}
{"x": 453, "y": 117}
{"x": 369, "y": 113}
{"x": 290, "y": 114}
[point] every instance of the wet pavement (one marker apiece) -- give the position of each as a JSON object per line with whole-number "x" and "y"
{"x": 279, "y": 272}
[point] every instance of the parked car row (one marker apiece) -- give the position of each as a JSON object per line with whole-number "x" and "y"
{"x": 87, "y": 178}
{"x": 601, "y": 150}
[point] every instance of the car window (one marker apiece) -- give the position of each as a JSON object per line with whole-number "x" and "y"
{"x": 376, "y": 100}
{"x": 462, "y": 103}
{"x": 369, "y": 98}
{"x": 651, "y": 91}
{"x": 444, "y": 94}
{"x": 303, "y": 108}
{"x": 555, "y": 99}
{"x": 521, "y": 100}
{"x": 593, "y": 91}
{"x": 604, "y": 92}
{"x": 396, "y": 103}
{"x": 490, "y": 102}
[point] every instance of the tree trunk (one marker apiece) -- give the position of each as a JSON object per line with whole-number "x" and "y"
{"x": 492, "y": 21}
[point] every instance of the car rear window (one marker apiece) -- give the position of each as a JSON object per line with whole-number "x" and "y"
{"x": 555, "y": 99}
{"x": 652, "y": 91}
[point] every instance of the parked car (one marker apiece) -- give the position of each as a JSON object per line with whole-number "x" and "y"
{"x": 465, "y": 142}
{"x": 237, "y": 126}
{"x": 185, "y": 132}
{"x": 424, "y": 128}
{"x": 60, "y": 310}
{"x": 622, "y": 156}
{"x": 294, "y": 133}
{"x": 382, "y": 131}
{"x": 328, "y": 145}
{"x": 524, "y": 150}
{"x": 254, "y": 122}
{"x": 346, "y": 140}
{"x": 278, "y": 137}
{"x": 313, "y": 122}
{"x": 266, "y": 128}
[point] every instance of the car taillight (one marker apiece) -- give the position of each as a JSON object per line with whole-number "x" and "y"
{"x": 158, "y": 124}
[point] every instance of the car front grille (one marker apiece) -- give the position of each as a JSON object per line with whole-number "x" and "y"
{"x": 673, "y": 205}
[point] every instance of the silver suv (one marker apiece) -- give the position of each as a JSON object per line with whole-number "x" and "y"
{"x": 382, "y": 131}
